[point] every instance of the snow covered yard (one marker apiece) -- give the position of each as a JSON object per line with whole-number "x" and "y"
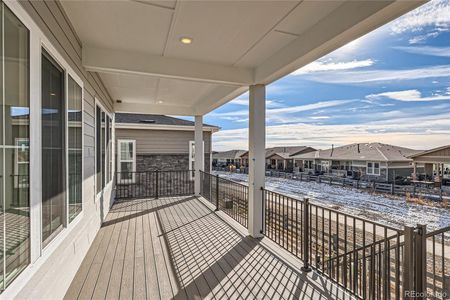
{"x": 375, "y": 207}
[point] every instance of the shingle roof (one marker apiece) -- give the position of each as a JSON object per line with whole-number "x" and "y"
{"x": 363, "y": 151}
{"x": 128, "y": 118}
{"x": 231, "y": 154}
{"x": 286, "y": 150}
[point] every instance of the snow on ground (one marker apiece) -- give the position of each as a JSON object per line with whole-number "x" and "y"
{"x": 375, "y": 207}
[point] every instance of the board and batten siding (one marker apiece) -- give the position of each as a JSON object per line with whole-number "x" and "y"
{"x": 51, "y": 274}
{"x": 150, "y": 141}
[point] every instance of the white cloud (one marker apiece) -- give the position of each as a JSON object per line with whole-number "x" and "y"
{"x": 432, "y": 132}
{"x": 381, "y": 75}
{"x": 321, "y": 66}
{"x": 408, "y": 96}
{"x": 269, "y": 103}
{"x": 435, "y": 13}
{"x": 319, "y": 117}
{"x": 281, "y": 115}
{"x": 418, "y": 39}
{"x": 426, "y": 50}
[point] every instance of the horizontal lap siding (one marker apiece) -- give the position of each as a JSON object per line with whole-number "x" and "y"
{"x": 68, "y": 255}
{"x": 162, "y": 141}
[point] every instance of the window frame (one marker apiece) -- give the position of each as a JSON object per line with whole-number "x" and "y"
{"x": 38, "y": 41}
{"x": 119, "y": 161}
{"x": 106, "y": 183}
{"x": 371, "y": 170}
{"x": 46, "y": 46}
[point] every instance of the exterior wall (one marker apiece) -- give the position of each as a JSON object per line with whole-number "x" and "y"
{"x": 438, "y": 156}
{"x": 149, "y": 162}
{"x": 162, "y": 141}
{"x": 51, "y": 273}
{"x": 163, "y": 149}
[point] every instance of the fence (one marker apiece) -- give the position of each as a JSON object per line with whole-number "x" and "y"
{"x": 154, "y": 184}
{"x": 354, "y": 252}
{"x": 415, "y": 191}
{"x": 228, "y": 196}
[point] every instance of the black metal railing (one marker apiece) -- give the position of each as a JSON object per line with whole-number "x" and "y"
{"x": 228, "y": 196}
{"x": 352, "y": 251}
{"x": 437, "y": 263}
{"x": 154, "y": 184}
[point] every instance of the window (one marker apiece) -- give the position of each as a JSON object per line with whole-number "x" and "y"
{"x": 98, "y": 150}
{"x": 373, "y": 168}
{"x": 53, "y": 148}
{"x": 127, "y": 161}
{"x": 75, "y": 137}
{"x": 14, "y": 146}
{"x": 103, "y": 155}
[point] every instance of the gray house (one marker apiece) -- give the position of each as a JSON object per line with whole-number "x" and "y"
{"x": 227, "y": 158}
{"x": 371, "y": 161}
{"x": 148, "y": 142}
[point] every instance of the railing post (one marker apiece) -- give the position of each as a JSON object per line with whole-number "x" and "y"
{"x": 157, "y": 184}
{"x": 408, "y": 264}
{"x": 217, "y": 192}
{"x": 263, "y": 210}
{"x": 306, "y": 267}
{"x": 420, "y": 261}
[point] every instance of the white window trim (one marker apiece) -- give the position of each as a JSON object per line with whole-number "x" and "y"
{"x": 192, "y": 158}
{"x": 38, "y": 255}
{"x": 120, "y": 160}
{"x": 99, "y": 104}
{"x": 373, "y": 168}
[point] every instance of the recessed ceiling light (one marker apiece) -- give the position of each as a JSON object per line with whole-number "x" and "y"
{"x": 186, "y": 40}
{"x": 160, "y": 101}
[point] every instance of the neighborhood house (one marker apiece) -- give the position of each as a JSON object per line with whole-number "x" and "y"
{"x": 367, "y": 161}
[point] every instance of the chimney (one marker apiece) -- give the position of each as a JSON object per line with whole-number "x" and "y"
{"x": 358, "y": 148}
{"x": 332, "y": 149}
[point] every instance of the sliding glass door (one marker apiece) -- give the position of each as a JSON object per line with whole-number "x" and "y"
{"x": 14, "y": 147}
{"x": 53, "y": 148}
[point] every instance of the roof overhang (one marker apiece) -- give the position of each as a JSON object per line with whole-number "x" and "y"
{"x": 135, "y": 45}
{"x": 212, "y": 129}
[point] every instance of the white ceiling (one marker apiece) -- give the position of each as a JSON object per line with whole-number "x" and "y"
{"x": 135, "y": 46}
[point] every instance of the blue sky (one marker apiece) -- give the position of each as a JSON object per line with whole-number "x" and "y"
{"x": 391, "y": 85}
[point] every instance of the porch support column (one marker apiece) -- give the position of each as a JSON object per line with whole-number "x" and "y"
{"x": 257, "y": 145}
{"x": 199, "y": 164}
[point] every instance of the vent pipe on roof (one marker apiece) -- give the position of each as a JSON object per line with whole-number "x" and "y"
{"x": 358, "y": 148}
{"x": 332, "y": 149}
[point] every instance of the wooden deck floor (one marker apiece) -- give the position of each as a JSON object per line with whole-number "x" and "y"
{"x": 178, "y": 248}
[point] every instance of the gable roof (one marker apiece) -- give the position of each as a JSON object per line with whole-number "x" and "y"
{"x": 363, "y": 151}
{"x": 283, "y": 151}
{"x": 231, "y": 154}
{"x": 420, "y": 153}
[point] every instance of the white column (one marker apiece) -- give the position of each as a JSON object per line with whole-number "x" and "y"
{"x": 257, "y": 145}
{"x": 199, "y": 164}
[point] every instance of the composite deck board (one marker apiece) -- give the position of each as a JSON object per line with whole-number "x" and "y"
{"x": 178, "y": 248}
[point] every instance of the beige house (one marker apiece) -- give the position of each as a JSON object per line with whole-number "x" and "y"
{"x": 436, "y": 164}
{"x": 158, "y": 142}
{"x": 371, "y": 161}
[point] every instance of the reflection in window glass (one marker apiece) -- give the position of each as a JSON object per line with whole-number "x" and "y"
{"x": 14, "y": 147}
{"x": 53, "y": 148}
{"x": 102, "y": 143}
{"x": 75, "y": 148}
{"x": 98, "y": 133}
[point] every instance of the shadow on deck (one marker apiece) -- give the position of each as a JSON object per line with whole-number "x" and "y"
{"x": 178, "y": 248}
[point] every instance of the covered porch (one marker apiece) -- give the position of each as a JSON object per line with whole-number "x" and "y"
{"x": 180, "y": 248}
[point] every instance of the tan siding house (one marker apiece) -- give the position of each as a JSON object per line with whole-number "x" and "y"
{"x": 161, "y": 142}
